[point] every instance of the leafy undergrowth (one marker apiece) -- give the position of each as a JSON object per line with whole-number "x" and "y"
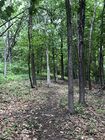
{"x": 41, "y": 114}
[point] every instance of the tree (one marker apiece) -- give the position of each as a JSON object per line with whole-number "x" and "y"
{"x": 101, "y": 71}
{"x": 48, "y": 68}
{"x": 31, "y": 61}
{"x": 62, "y": 62}
{"x": 6, "y": 50}
{"x": 81, "y": 25}
{"x": 90, "y": 44}
{"x": 70, "y": 67}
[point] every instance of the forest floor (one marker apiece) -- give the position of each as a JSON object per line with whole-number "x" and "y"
{"x": 30, "y": 114}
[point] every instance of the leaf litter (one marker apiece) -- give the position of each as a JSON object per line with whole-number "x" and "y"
{"x": 30, "y": 114}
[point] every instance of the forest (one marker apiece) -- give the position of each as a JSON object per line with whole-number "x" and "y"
{"x": 52, "y": 69}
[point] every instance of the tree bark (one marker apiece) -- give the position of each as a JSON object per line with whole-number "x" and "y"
{"x": 30, "y": 46}
{"x": 70, "y": 67}
{"x": 90, "y": 44}
{"x": 101, "y": 71}
{"x": 62, "y": 63}
{"x": 54, "y": 65}
{"x": 7, "y": 46}
{"x": 48, "y": 68}
{"x": 81, "y": 24}
{"x": 33, "y": 68}
{"x": 31, "y": 62}
{"x": 5, "y": 62}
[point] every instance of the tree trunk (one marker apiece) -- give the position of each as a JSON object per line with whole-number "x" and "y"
{"x": 31, "y": 63}
{"x": 57, "y": 64}
{"x": 48, "y": 68}
{"x": 7, "y": 46}
{"x": 9, "y": 40}
{"x": 81, "y": 24}
{"x": 62, "y": 64}
{"x": 33, "y": 68}
{"x": 90, "y": 45}
{"x": 30, "y": 46}
{"x": 101, "y": 71}
{"x": 5, "y": 62}
{"x": 70, "y": 67}
{"x": 54, "y": 66}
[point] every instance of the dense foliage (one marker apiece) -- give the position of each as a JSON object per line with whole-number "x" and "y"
{"x": 29, "y": 28}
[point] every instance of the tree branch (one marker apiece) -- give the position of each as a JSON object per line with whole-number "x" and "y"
{"x": 13, "y": 18}
{"x": 6, "y": 30}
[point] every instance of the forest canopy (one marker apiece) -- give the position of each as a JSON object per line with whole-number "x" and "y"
{"x": 51, "y": 42}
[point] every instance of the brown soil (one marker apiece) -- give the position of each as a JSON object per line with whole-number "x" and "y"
{"x": 30, "y": 114}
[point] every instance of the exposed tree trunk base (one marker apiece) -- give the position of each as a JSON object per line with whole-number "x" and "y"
{"x": 35, "y": 87}
{"x": 83, "y": 104}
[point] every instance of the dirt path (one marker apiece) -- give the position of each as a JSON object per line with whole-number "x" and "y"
{"x": 42, "y": 115}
